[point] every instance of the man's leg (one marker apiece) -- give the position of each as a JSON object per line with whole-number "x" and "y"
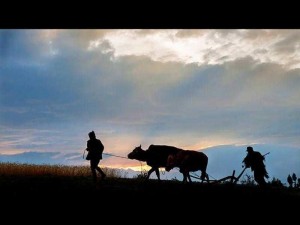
{"x": 103, "y": 175}
{"x": 93, "y": 169}
{"x": 259, "y": 178}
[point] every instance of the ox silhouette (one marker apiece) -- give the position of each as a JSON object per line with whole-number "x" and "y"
{"x": 188, "y": 161}
{"x": 155, "y": 156}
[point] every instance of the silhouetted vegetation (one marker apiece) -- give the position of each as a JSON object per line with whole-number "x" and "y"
{"x": 275, "y": 182}
{"x": 52, "y": 170}
{"x": 248, "y": 180}
{"x": 293, "y": 181}
{"x": 142, "y": 175}
{"x": 290, "y": 180}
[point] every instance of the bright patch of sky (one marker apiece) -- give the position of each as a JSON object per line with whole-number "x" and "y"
{"x": 201, "y": 47}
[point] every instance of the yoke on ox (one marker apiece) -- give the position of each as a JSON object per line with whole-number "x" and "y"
{"x": 155, "y": 156}
{"x": 188, "y": 161}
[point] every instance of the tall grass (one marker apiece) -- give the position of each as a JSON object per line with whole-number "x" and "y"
{"x": 52, "y": 170}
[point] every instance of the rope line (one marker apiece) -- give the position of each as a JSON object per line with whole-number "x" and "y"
{"x": 141, "y": 163}
{"x": 115, "y": 155}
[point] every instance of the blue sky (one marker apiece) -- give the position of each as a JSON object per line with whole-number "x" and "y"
{"x": 192, "y": 89}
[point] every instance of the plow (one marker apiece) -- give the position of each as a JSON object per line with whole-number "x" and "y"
{"x": 231, "y": 179}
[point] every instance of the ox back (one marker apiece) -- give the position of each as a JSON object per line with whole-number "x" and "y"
{"x": 193, "y": 160}
{"x": 157, "y": 155}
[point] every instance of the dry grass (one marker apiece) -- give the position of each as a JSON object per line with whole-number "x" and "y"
{"x": 53, "y": 170}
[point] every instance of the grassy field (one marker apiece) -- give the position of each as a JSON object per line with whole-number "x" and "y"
{"x": 72, "y": 187}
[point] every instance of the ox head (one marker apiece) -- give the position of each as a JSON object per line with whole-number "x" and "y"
{"x": 136, "y": 153}
{"x": 170, "y": 162}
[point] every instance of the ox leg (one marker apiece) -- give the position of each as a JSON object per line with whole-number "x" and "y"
{"x": 157, "y": 173}
{"x": 189, "y": 177}
{"x": 149, "y": 172}
{"x": 203, "y": 176}
{"x": 185, "y": 175}
{"x": 207, "y": 177}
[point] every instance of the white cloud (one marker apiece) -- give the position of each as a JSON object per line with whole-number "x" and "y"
{"x": 203, "y": 46}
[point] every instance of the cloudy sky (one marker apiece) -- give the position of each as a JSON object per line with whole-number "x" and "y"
{"x": 192, "y": 89}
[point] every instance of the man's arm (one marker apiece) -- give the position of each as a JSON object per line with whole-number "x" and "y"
{"x": 246, "y": 161}
{"x": 260, "y": 156}
{"x": 88, "y": 146}
{"x": 101, "y": 146}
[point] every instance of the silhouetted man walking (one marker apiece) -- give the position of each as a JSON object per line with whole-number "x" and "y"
{"x": 255, "y": 160}
{"x": 95, "y": 149}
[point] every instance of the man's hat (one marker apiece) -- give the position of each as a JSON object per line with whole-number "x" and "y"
{"x": 92, "y": 134}
{"x": 249, "y": 149}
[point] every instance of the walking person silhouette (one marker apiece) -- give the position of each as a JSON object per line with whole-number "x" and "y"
{"x": 95, "y": 149}
{"x": 255, "y": 160}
